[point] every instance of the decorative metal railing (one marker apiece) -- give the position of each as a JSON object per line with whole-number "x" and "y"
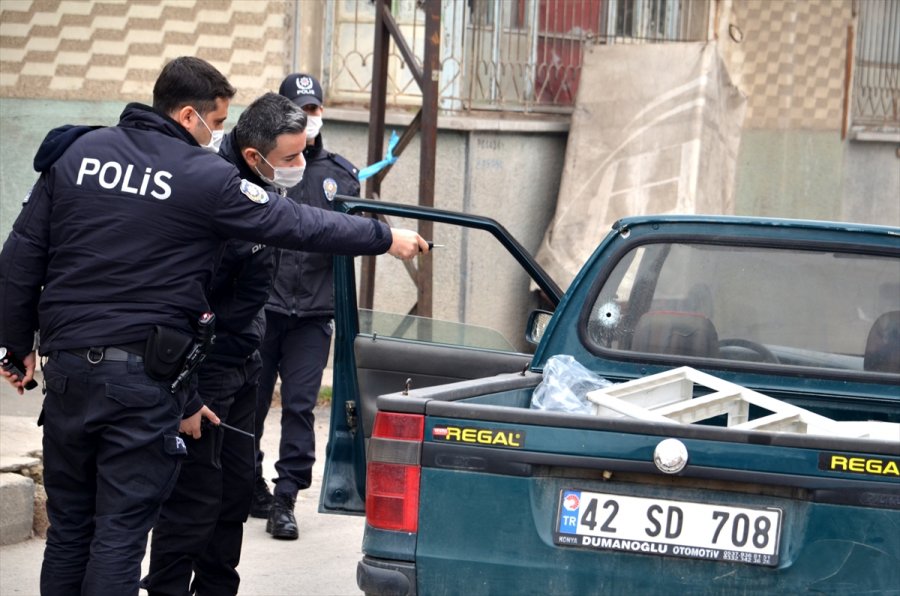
{"x": 511, "y": 55}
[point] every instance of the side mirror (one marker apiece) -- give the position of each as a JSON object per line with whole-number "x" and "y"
{"x": 537, "y": 324}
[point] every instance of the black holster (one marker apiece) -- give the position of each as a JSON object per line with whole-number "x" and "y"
{"x": 165, "y": 352}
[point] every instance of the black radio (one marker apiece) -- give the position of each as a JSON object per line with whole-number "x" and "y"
{"x": 11, "y": 363}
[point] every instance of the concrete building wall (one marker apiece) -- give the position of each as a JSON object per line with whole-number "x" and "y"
{"x": 790, "y": 173}
{"x": 99, "y": 50}
{"x": 871, "y": 183}
{"x": 789, "y": 58}
{"x": 23, "y": 124}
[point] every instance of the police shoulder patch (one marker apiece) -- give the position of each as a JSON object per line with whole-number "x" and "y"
{"x": 330, "y": 188}
{"x": 254, "y": 192}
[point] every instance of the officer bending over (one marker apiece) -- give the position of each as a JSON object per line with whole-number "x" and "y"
{"x": 109, "y": 260}
{"x": 200, "y": 528}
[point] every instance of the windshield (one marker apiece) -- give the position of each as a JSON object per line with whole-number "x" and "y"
{"x": 753, "y": 304}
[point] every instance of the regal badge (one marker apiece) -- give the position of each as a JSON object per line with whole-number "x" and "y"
{"x": 254, "y": 192}
{"x": 330, "y": 188}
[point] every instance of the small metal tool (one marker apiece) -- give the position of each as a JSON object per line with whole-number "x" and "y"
{"x": 432, "y": 245}
{"x": 237, "y": 430}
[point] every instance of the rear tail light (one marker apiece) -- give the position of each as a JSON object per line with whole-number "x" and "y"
{"x": 393, "y": 471}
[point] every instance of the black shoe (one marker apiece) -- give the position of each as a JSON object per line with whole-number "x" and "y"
{"x": 282, "y": 524}
{"x": 261, "y": 502}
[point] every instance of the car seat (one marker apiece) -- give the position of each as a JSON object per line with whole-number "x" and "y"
{"x": 883, "y": 344}
{"x": 674, "y": 332}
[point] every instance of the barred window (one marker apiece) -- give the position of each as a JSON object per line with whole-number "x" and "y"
{"x": 514, "y": 55}
{"x": 656, "y": 20}
{"x": 876, "y": 68}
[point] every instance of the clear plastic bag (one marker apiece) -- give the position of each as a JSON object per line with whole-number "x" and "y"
{"x": 565, "y": 386}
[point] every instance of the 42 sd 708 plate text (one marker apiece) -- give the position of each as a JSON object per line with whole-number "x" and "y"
{"x": 668, "y": 528}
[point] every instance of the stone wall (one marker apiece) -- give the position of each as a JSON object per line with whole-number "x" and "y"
{"x": 104, "y": 50}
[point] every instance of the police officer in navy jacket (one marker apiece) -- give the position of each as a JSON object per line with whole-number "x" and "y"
{"x": 120, "y": 235}
{"x": 200, "y": 529}
{"x": 299, "y": 315}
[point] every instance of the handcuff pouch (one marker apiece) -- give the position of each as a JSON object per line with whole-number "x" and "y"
{"x": 165, "y": 352}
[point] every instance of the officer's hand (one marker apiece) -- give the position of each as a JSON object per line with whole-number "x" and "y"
{"x": 29, "y": 361}
{"x": 191, "y": 424}
{"x": 407, "y": 244}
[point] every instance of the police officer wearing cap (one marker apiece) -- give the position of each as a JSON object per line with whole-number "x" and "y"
{"x": 299, "y": 316}
{"x": 108, "y": 260}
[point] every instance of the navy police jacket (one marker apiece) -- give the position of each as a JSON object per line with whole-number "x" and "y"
{"x": 304, "y": 281}
{"x": 122, "y": 231}
{"x": 240, "y": 283}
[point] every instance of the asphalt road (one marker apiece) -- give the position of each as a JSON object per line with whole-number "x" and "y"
{"x": 321, "y": 563}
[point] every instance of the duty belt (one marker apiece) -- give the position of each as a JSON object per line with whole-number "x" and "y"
{"x": 119, "y": 353}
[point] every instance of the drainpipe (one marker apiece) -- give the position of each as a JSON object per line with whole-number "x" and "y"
{"x": 295, "y": 53}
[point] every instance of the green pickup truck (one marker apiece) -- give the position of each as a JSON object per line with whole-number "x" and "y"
{"x": 792, "y": 488}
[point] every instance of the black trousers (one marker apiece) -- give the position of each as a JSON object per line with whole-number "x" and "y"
{"x": 200, "y": 528}
{"x": 111, "y": 457}
{"x": 297, "y": 349}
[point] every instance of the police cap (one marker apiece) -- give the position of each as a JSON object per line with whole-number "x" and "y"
{"x": 302, "y": 89}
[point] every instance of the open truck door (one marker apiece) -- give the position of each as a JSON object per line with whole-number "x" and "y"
{"x": 387, "y": 349}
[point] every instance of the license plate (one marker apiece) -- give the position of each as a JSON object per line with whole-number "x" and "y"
{"x": 667, "y": 528}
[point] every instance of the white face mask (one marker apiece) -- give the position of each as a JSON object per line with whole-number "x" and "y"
{"x": 217, "y": 135}
{"x": 284, "y": 177}
{"x": 313, "y": 126}
{"x": 216, "y": 141}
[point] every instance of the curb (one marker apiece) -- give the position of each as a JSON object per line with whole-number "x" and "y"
{"x": 23, "y": 512}
{"x": 16, "y": 508}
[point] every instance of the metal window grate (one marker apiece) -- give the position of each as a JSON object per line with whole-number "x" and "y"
{"x": 514, "y": 55}
{"x": 876, "y": 68}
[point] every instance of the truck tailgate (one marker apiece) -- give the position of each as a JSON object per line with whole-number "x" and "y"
{"x": 510, "y": 503}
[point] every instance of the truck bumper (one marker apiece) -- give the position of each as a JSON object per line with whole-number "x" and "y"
{"x": 380, "y": 577}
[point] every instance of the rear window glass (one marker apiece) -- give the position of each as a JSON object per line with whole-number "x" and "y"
{"x": 753, "y": 304}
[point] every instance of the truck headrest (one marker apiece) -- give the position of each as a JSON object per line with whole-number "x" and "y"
{"x": 883, "y": 344}
{"x": 672, "y": 332}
